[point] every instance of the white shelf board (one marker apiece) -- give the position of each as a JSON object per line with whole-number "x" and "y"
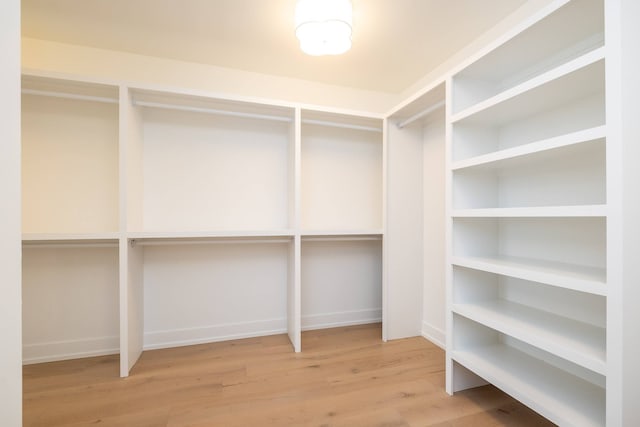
{"x": 168, "y": 237}
{"x": 569, "y": 276}
{"x": 495, "y": 158}
{"x": 71, "y": 89}
{"x": 203, "y": 103}
{"x": 563, "y": 398}
{"x": 69, "y": 238}
{"x": 569, "y": 81}
{"x": 577, "y": 342}
{"x": 533, "y": 212}
{"x": 361, "y": 232}
{"x": 337, "y": 235}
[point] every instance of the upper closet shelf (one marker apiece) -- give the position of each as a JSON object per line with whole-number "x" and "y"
{"x": 207, "y": 105}
{"x": 498, "y": 157}
{"x": 533, "y": 212}
{"x": 341, "y": 235}
{"x": 556, "y": 87}
{"x": 69, "y": 238}
{"x": 68, "y": 89}
{"x": 252, "y": 236}
{"x": 541, "y": 44}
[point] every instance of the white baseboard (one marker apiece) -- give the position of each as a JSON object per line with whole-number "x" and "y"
{"x": 69, "y": 349}
{"x": 344, "y": 318}
{"x": 435, "y": 335}
{"x": 214, "y": 333}
{"x": 75, "y": 349}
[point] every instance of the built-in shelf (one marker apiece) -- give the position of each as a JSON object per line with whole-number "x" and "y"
{"x": 498, "y": 158}
{"x": 555, "y": 393}
{"x": 168, "y": 235}
{"x": 547, "y": 43}
{"x": 575, "y": 78}
{"x": 341, "y": 235}
{"x": 69, "y": 238}
{"x": 577, "y": 342}
{"x": 533, "y": 212}
{"x": 569, "y": 276}
{"x": 528, "y": 193}
{"x": 198, "y": 202}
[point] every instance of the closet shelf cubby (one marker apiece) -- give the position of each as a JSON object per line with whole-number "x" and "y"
{"x": 569, "y": 276}
{"x": 528, "y": 97}
{"x": 564, "y": 398}
{"x": 578, "y": 342}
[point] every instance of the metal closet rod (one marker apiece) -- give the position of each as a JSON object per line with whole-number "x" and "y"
{"x": 211, "y": 111}
{"x": 65, "y": 95}
{"x": 421, "y": 114}
{"x": 251, "y": 115}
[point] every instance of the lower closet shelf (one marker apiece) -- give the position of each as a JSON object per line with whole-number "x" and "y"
{"x": 578, "y": 342}
{"x": 558, "y": 395}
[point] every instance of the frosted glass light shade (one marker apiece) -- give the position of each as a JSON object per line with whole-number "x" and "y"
{"x": 324, "y": 26}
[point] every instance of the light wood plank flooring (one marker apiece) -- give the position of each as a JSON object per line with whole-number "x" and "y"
{"x": 343, "y": 377}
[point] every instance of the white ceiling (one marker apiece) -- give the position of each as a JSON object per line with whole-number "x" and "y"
{"x": 395, "y": 42}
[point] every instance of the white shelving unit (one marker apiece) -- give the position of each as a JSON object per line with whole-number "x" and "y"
{"x": 527, "y": 216}
{"x": 70, "y": 219}
{"x": 156, "y": 218}
{"x": 341, "y": 225}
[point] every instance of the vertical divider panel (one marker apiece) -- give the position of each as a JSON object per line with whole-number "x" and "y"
{"x": 131, "y": 283}
{"x": 293, "y": 291}
{"x": 385, "y": 251}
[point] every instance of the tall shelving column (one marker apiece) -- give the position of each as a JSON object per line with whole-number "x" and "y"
{"x": 209, "y": 248}
{"x": 414, "y": 242}
{"x": 527, "y": 216}
{"x": 341, "y": 230}
{"x": 70, "y": 218}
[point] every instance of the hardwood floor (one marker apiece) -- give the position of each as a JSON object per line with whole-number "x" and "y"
{"x": 343, "y": 377}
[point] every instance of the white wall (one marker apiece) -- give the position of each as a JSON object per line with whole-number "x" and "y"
{"x": 496, "y": 32}
{"x": 10, "y": 299}
{"x": 41, "y": 55}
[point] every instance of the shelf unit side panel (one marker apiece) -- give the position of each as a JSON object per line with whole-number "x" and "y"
{"x": 132, "y": 163}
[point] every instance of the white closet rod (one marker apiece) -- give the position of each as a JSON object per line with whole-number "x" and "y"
{"x": 69, "y": 96}
{"x": 341, "y": 125}
{"x": 421, "y": 114}
{"x": 172, "y": 242}
{"x": 211, "y": 111}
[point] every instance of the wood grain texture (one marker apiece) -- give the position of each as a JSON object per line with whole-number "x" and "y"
{"x": 343, "y": 377}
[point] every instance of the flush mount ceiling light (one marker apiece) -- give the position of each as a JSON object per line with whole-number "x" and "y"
{"x": 324, "y": 26}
